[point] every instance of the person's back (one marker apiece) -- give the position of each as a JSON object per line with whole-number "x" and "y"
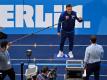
{"x": 95, "y": 53}
{"x": 92, "y": 60}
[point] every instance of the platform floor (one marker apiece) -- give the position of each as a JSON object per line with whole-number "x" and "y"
{"x": 46, "y": 49}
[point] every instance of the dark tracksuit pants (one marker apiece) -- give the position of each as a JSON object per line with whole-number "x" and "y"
{"x": 64, "y": 36}
{"x": 9, "y": 72}
{"x": 93, "y": 68}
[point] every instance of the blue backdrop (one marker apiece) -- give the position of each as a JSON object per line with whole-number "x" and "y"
{"x": 43, "y": 13}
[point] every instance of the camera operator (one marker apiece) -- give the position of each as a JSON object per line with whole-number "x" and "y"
{"x": 47, "y": 74}
{"x": 5, "y": 63}
{"x": 43, "y": 74}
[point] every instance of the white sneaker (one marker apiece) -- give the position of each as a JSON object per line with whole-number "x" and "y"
{"x": 60, "y": 54}
{"x": 70, "y": 54}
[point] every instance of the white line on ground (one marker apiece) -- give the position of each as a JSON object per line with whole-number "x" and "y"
{"x": 50, "y": 45}
{"x": 44, "y": 60}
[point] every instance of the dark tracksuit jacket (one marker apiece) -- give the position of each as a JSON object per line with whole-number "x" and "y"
{"x": 67, "y": 29}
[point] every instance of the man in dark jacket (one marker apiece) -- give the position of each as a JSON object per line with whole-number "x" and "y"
{"x": 67, "y": 21}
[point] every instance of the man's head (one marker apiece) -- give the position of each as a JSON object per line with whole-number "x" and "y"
{"x": 69, "y": 8}
{"x": 45, "y": 70}
{"x": 4, "y": 45}
{"x": 93, "y": 39}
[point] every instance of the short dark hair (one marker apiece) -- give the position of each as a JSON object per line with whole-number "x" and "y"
{"x": 3, "y": 44}
{"x": 93, "y": 39}
{"x": 45, "y": 69}
{"x": 68, "y": 5}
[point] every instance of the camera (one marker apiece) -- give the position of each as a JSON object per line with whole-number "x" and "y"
{"x": 28, "y": 53}
{"x": 52, "y": 74}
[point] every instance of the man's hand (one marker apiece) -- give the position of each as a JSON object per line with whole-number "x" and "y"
{"x": 58, "y": 33}
{"x": 80, "y": 18}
